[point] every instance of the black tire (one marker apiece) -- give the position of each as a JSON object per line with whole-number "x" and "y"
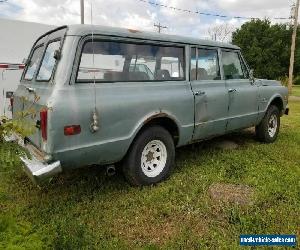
{"x": 132, "y": 164}
{"x": 262, "y": 129}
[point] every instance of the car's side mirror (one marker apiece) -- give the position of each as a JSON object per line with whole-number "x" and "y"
{"x": 251, "y": 76}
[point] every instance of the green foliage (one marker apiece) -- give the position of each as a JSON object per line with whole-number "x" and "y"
{"x": 266, "y": 48}
{"x": 284, "y": 80}
{"x": 296, "y": 80}
{"x": 230, "y": 70}
{"x": 296, "y": 90}
{"x": 69, "y": 233}
{"x": 21, "y": 124}
{"x": 18, "y": 235}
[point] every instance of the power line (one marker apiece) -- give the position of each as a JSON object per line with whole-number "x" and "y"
{"x": 206, "y": 13}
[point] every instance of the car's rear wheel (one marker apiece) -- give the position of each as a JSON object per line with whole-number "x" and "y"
{"x": 150, "y": 158}
{"x": 267, "y": 131}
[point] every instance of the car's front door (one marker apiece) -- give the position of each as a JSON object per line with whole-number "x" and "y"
{"x": 242, "y": 92}
{"x": 210, "y": 93}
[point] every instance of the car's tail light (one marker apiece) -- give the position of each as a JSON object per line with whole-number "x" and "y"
{"x": 43, "y": 116}
{"x": 72, "y": 130}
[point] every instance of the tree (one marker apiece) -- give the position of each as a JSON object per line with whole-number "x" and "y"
{"x": 266, "y": 48}
{"x": 221, "y": 32}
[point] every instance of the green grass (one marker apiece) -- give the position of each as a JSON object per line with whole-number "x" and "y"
{"x": 296, "y": 90}
{"x": 85, "y": 209}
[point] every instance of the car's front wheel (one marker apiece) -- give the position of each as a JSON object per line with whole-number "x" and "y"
{"x": 268, "y": 129}
{"x": 150, "y": 158}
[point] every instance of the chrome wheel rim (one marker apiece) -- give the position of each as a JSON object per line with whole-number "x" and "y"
{"x": 272, "y": 125}
{"x": 154, "y": 158}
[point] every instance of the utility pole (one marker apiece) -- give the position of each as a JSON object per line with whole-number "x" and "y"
{"x": 160, "y": 27}
{"x": 82, "y": 11}
{"x": 292, "y": 58}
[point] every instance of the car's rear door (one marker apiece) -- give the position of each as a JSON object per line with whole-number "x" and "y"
{"x": 37, "y": 84}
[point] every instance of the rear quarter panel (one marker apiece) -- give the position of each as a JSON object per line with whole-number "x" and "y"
{"x": 123, "y": 108}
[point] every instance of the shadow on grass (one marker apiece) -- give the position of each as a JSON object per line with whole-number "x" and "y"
{"x": 91, "y": 180}
{"x": 95, "y": 177}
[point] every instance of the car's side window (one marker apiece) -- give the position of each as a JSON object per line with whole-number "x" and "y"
{"x": 205, "y": 64}
{"x": 110, "y": 61}
{"x": 172, "y": 65}
{"x": 233, "y": 67}
{"x": 143, "y": 64}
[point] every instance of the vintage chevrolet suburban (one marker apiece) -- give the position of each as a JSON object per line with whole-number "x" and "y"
{"x": 109, "y": 95}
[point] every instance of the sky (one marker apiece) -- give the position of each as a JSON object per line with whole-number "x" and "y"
{"x": 136, "y": 14}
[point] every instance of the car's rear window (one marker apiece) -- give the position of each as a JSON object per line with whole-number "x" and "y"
{"x": 47, "y": 66}
{"x": 33, "y": 62}
{"x": 41, "y": 63}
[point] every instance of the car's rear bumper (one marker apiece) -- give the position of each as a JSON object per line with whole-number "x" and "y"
{"x": 37, "y": 168}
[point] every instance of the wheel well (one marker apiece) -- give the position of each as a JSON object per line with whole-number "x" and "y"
{"x": 167, "y": 123}
{"x": 278, "y": 103}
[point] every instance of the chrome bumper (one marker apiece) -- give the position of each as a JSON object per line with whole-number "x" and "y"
{"x": 37, "y": 168}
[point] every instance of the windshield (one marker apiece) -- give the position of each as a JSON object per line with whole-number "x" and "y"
{"x": 33, "y": 63}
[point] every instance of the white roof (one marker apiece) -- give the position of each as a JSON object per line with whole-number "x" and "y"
{"x": 86, "y": 29}
{"x": 17, "y": 38}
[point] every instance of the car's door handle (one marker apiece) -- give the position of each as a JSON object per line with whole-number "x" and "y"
{"x": 231, "y": 90}
{"x": 200, "y": 93}
{"x": 30, "y": 90}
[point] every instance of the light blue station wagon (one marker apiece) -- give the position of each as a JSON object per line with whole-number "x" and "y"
{"x": 109, "y": 95}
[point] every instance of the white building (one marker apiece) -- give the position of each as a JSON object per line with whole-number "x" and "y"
{"x": 17, "y": 38}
